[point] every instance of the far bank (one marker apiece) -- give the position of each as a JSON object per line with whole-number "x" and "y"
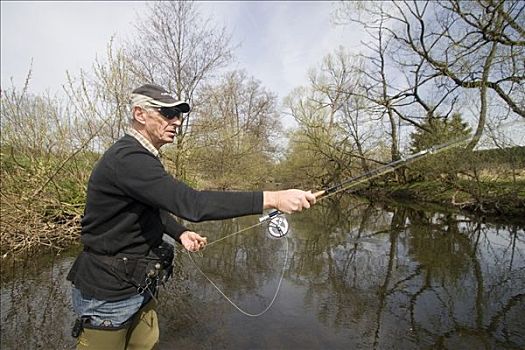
{"x": 504, "y": 200}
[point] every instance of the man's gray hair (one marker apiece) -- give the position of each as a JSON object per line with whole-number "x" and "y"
{"x": 141, "y": 101}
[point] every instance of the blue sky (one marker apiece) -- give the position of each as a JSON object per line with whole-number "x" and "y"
{"x": 279, "y": 40}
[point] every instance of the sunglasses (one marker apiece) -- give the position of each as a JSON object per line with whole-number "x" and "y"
{"x": 170, "y": 112}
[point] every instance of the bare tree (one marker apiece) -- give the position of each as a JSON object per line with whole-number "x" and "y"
{"x": 331, "y": 130}
{"x": 100, "y": 98}
{"x": 397, "y": 86}
{"x": 451, "y": 47}
{"x": 342, "y": 85}
{"x": 234, "y": 131}
{"x": 178, "y": 49}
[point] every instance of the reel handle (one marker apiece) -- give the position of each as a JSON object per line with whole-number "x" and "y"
{"x": 270, "y": 215}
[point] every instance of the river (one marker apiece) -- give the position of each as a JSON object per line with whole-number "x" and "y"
{"x": 352, "y": 275}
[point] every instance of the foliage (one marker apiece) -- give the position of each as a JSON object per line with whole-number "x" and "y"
{"x": 440, "y": 131}
{"x": 437, "y": 131}
{"x": 448, "y": 61}
{"x": 336, "y": 135}
{"x": 43, "y": 173}
{"x": 233, "y": 132}
{"x": 496, "y": 157}
{"x": 305, "y": 165}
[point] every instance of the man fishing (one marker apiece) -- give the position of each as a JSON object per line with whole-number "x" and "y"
{"x": 131, "y": 202}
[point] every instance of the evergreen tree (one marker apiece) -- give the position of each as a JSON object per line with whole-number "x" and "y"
{"x": 442, "y": 130}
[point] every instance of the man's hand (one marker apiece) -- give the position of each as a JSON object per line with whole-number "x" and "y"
{"x": 288, "y": 201}
{"x": 192, "y": 241}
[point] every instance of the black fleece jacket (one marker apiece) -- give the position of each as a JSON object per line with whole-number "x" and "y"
{"x": 129, "y": 200}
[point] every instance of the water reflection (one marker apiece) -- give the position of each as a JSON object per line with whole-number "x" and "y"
{"x": 357, "y": 275}
{"x": 35, "y": 301}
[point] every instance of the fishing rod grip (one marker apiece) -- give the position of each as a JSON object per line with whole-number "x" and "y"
{"x": 319, "y": 193}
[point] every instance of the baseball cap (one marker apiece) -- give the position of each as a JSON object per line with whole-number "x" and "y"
{"x": 156, "y": 96}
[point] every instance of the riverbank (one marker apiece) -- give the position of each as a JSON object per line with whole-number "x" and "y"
{"x": 498, "y": 201}
{"x": 504, "y": 200}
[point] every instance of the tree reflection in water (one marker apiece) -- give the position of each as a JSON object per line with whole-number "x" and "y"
{"x": 435, "y": 280}
{"x": 358, "y": 275}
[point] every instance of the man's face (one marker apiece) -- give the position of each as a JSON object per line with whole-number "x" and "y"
{"x": 159, "y": 129}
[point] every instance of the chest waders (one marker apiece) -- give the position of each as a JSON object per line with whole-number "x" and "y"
{"x": 141, "y": 334}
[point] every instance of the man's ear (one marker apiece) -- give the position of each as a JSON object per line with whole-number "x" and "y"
{"x": 139, "y": 115}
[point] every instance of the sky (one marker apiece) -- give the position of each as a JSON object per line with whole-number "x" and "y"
{"x": 279, "y": 41}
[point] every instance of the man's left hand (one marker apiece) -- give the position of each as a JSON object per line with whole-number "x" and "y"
{"x": 192, "y": 241}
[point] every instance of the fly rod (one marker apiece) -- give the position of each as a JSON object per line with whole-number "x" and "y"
{"x": 372, "y": 174}
{"x": 278, "y": 225}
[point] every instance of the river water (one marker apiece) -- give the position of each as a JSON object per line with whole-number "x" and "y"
{"x": 352, "y": 275}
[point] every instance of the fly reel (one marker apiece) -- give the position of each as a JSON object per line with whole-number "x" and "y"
{"x": 278, "y": 227}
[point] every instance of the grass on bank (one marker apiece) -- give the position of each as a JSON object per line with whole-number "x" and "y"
{"x": 503, "y": 197}
{"x": 43, "y": 196}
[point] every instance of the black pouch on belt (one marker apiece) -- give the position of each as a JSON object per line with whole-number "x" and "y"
{"x": 147, "y": 271}
{"x": 165, "y": 254}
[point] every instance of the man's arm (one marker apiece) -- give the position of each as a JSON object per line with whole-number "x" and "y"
{"x": 171, "y": 226}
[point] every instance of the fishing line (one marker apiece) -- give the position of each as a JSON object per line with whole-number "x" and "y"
{"x": 278, "y": 225}
{"x": 233, "y": 234}
{"x": 232, "y": 302}
{"x": 277, "y": 228}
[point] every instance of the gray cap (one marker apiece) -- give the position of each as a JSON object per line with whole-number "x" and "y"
{"x": 156, "y": 96}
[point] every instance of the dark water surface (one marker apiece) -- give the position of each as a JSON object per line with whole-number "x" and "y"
{"x": 356, "y": 276}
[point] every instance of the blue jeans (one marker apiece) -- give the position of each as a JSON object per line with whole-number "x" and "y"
{"x": 107, "y": 314}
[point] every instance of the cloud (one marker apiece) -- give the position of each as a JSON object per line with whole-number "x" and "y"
{"x": 58, "y": 36}
{"x": 279, "y": 40}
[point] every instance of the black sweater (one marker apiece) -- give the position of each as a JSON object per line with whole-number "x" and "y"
{"x": 129, "y": 198}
